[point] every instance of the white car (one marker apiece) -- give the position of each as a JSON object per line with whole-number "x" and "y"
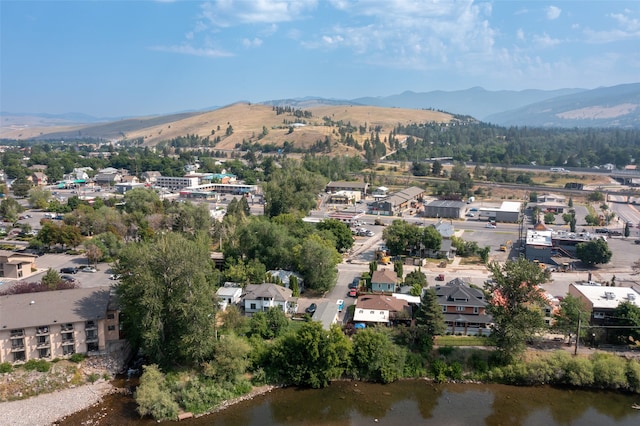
{"x": 490, "y": 225}
{"x": 89, "y": 269}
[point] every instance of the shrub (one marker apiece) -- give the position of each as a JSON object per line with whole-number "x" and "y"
{"x": 154, "y": 396}
{"x": 609, "y": 371}
{"x": 633, "y": 375}
{"x": 93, "y": 377}
{"x": 439, "y": 370}
{"x": 77, "y": 358}
{"x": 39, "y": 365}
{"x": 5, "y": 367}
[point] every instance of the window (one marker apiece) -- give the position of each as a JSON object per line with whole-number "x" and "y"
{"x": 67, "y": 327}
{"x": 18, "y": 356}
{"x": 42, "y": 340}
{"x": 44, "y": 353}
{"x": 111, "y": 328}
{"x": 599, "y": 315}
{"x": 475, "y": 309}
{"x": 68, "y": 350}
{"x": 444, "y": 308}
{"x": 90, "y": 324}
{"x": 17, "y": 333}
{"x": 67, "y": 337}
{"x": 460, "y": 308}
{"x": 111, "y": 316}
{"x": 17, "y": 343}
{"x": 253, "y": 307}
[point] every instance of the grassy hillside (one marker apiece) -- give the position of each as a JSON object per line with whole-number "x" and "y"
{"x": 247, "y": 121}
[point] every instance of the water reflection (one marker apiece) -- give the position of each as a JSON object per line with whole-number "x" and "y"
{"x": 401, "y": 403}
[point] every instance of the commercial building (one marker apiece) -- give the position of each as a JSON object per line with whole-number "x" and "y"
{"x": 449, "y": 209}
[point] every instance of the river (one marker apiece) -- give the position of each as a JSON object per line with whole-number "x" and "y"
{"x": 404, "y": 402}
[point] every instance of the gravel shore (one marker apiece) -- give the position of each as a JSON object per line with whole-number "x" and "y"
{"x": 45, "y": 409}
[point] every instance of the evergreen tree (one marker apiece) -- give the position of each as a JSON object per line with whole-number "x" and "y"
{"x": 429, "y": 320}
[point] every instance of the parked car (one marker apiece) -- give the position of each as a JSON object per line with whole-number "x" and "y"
{"x": 311, "y": 309}
{"x": 470, "y": 214}
{"x": 69, "y": 270}
{"x": 68, "y": 278}
{"x": 114, "y": 277}
{"x": 89, "y": 269}
{"x": 490, "y": 225}
{"x": 353, "y": 292}
{"x": 637, "y": 241}
{"x": 340, "y": 304}
{"x": 355, "y": 283}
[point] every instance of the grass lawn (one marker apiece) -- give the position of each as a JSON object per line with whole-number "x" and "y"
{"x": 462, "y": 341}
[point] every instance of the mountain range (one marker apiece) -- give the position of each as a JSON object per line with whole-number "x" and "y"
{"x": 616, "y": 106}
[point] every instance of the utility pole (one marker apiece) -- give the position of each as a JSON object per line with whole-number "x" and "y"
{"x": 575, "y": 352}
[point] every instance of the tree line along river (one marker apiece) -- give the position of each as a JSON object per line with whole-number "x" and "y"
{"x": 410, "y": 402}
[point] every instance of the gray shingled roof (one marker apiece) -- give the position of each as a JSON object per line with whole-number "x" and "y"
{"x": 458, "y": 293}
{"x": 53, "y": 307}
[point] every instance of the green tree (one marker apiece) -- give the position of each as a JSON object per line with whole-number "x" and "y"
{"x": 51, "y": 278}
{"x": 627, "y": 230}
{"x": 570, "y": 204}
{"x": 375, "y": 357}
{"x": 416, "y": 277}
{"x": 515, "y": 301}
{"x": 310, "y": 357}
{"x": 595, "y": 197}
{"x": 317, "y": 261}
{"x": 484, "y": 254}
{"x": 268, "y": 325}
{"x": 153, "y": 395}
{"x": 341, "y": 232}
{"x": 21, "y": 187}
{"x": 431, "y": 239}
{"x": 627, "y": 314}
{"x": 571, "y": 309}
{"x": 39, "y": 198}
{"x": 460, "y": 174}
{"x": 230, "y": 359}
{"x": 436, "y": 168}
{"x": 549, "y": 218}
{"x": 594, "y": 252}
{"x": 294, "y": 286}
{"x": 10, "y": 209}
{"x": 166, "y": 297}
{"x": 398, "y": 268}
{"x": 429, "y": 320}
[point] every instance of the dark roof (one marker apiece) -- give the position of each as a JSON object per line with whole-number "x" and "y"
{"x": 459, "y": 293}
{"x": 51, "y": 307}
{"x": 483, "y": 319}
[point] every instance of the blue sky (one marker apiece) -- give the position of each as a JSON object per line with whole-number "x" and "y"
{"x": 122, "y": 58}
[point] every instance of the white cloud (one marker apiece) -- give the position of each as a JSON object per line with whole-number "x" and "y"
{"x": 224, "y": 13}
{"x": 545, "y": 40}
{"x": 553, "y": 12}
{"x": 628, "y": 28}
{"x": 627, "y": 23}
{"x": 520, "y": 34}
{"x": 256, "y": 42}
{"x": 188, "y": 49}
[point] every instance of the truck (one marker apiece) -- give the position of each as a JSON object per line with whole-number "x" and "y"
{"x": 382, "y": 256}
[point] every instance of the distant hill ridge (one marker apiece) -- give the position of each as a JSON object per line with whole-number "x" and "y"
{"x": 617, "y": 106}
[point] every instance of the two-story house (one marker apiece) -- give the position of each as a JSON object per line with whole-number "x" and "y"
{"x": 464, "y": 308}
{"x": 262, "y": 297}
{"x": 381, "y": 309}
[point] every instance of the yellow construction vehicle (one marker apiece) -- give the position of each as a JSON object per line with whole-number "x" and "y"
{"x": 506, "y": 246}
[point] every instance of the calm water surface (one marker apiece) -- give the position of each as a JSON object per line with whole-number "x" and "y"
{"x": 402, "y": 403}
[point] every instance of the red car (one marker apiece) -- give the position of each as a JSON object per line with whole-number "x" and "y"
{"x": 353, "y": 292}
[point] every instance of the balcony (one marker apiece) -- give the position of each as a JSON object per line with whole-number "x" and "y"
{"x": 42, "y": 345}
{"x": 66, "y": 327}
{"x": 42, "y": 331}
{"x": 92, "y": 337}
{"x": 90, "y": 325}
{"x": 17, "y": 333}
{"x": 17, "y": 348}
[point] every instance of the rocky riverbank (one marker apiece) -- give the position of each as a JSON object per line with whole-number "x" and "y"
{"x": 46, "y": 409}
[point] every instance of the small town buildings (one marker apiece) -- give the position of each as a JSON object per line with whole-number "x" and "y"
{"x": 107, "y": 179}
{"x": 539, "y": 245}
{"x": 122, "y": 187}
{"x": 384, "y": 280}
{"x": 17, "y": 265}
{"x": 176, "y": 183}
{"x": 508, "y": 212}
{"x": 57, "y": 324}
{"x": 449, "y": 209}
{"x": 381, "y": 309}
{"x": 345, "y": 197}
{"x": 397, "y": 201}
{"x": 335, "y": 186}
{"x": 151, "y": 176}
{"x": 602, "y": 301}
{"x": 464, "y": 308}
{"x": 262, "y": 297}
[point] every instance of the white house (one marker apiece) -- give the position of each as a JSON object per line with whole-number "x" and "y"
{"x": 229, "y": 295}
{"x": 262, "y": 297}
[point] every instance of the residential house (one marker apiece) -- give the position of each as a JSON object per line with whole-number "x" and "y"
{"x": 446, "y": 250}
{"x": 57, "y": 324}
{"x": 602, "y": 301}
{"x": 381, "y": 309}
{"x": 17, "y": 265}
{"x": 229, "y": 294}
{"x": 151, "y": 176}
{"x": 464, "y": 308}
{"x": 130, "y": 179}
{"x": 262, "y": 297}
{"x": 284, "y": 277}
{"x": 384, "y": 280}
{"x": 39, "y": 179}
